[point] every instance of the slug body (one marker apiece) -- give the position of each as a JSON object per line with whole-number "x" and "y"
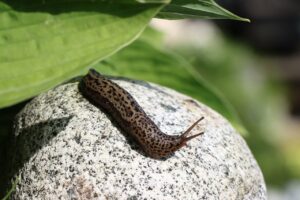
{"x": 129, "y": 115}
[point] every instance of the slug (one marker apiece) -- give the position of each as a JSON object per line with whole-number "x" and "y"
{"x": 129, "y": 115}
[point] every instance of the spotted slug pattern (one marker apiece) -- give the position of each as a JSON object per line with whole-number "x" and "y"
{"x": 129, "y": 115}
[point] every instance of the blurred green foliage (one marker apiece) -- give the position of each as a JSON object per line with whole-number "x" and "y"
{"x": 255, "y": 94}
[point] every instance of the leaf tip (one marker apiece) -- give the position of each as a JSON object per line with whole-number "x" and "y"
{"x": 245, "y": 20}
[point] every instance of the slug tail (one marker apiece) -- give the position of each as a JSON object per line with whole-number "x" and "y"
{"x": 93, "y": 73}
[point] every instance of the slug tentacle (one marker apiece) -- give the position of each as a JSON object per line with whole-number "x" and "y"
{"x": 129, "y": 115}
{"x": 191, "y": 127}
{"x": 193, "y": 136}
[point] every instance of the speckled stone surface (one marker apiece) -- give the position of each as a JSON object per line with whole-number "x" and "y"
{"x": 69, "y": 149}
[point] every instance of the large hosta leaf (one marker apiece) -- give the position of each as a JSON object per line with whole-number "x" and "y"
{"x": 43, "y": 43}
{"x": 144, "y": 61}
{"x": 209, "y": 9}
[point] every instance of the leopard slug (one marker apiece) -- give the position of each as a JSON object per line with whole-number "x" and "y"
{"x": 129, "y": 115}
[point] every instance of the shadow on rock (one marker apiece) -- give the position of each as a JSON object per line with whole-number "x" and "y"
{"x": 29, "y": 141}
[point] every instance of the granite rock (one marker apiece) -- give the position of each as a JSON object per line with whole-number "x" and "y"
{"x": 66, "y": 148}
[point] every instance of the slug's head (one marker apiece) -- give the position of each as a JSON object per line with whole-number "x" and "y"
{"x": 170, "y": 144}
{"x": 183, "y": 139}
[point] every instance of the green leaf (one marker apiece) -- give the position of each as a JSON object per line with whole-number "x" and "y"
{"x": 207, "y": 9}
{"x": 153, "y": 1}
{"x": 44, "y": 43}
{"x": 11, "y": 190}
{"x": 144, "y": 61}
{"x": 146, "y": 1}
